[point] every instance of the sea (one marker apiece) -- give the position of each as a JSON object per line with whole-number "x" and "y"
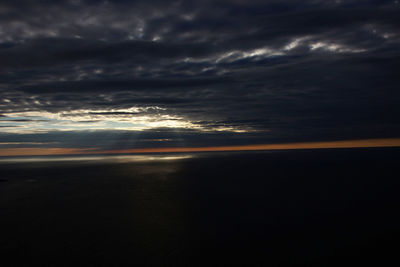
{"x": 316, "y": 207}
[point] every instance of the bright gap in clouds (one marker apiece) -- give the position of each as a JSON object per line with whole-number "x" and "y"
{"x": 131, "y": 119}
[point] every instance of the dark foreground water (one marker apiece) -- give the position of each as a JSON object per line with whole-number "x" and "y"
{"x": 316, "y": 207}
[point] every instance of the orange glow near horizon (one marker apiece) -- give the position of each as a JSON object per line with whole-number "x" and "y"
{"x": 33, "y": 151}
{"x": 387, "y": 142}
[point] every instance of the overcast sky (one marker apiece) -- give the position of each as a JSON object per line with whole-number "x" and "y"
{"x": 130, "y": 74}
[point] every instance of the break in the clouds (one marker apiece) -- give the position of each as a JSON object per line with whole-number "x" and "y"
{"x": 117, "y": 74}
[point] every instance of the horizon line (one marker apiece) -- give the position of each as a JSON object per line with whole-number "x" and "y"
{"x": 358, "y": 143}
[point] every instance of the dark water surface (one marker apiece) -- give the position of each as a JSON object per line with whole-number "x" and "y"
{"x": 315, "y": 207}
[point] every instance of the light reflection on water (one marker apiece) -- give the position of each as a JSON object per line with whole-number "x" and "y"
{"x": 103, "y": 158}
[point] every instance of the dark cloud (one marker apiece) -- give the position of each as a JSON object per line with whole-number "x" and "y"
{"x": 280, "y": 70}
{"x": 119, "y": 85}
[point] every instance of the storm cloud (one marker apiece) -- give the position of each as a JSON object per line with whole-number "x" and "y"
{"x": 115, "y": 74}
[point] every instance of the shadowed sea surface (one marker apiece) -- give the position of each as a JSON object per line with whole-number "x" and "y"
{"x": 279, "y": 208}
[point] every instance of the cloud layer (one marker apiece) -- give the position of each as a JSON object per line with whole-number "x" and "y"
{"x": 197, "y": 72}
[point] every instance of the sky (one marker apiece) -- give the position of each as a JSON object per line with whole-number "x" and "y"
{"x": 125, "y": 75}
